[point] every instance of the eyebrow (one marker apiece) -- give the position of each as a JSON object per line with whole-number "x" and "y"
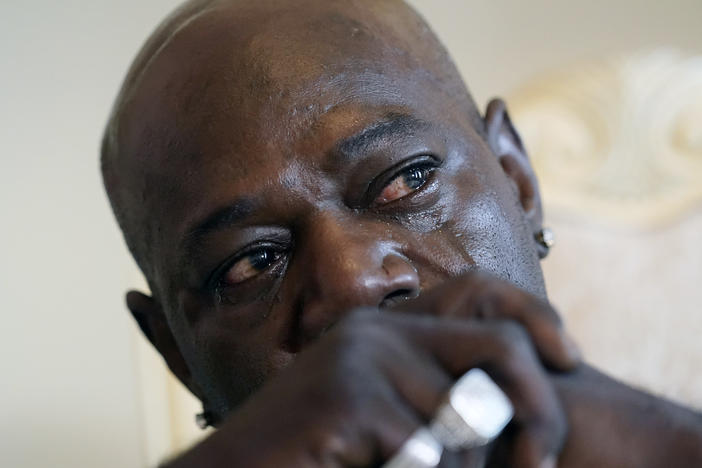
{"x": 225, "y": 217}
{"x": 391, "y": 126}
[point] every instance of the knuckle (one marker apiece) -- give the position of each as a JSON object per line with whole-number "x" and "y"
{"x": 481, "y": 283}
{"x": 549, "y": 313}
{"x": 511, "y": 334}
{"x": 491, "y": 298}
{"x": 513, "y": 343}
{"x": 328, "y": 445}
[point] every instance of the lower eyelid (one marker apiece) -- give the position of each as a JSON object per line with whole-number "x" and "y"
{"x": 275, "y": 270}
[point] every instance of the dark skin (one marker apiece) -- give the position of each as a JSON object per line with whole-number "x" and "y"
{"x": 333, "y": 235}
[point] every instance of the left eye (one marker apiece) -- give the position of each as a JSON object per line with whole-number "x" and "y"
{"x": 249, "y": 266}
{"x": 409, "y": 180}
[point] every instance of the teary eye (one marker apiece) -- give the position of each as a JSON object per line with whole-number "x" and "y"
{"x": 405, "y": 182}
{"x": 249, "y": 266}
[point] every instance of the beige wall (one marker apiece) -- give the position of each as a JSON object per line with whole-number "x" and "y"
{"x": 498, "y": 44}
{"x": 77, "y": 389}
{"x": 69, "y": 395}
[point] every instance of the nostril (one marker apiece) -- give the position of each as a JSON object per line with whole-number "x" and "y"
{"x": 397, "y": 296}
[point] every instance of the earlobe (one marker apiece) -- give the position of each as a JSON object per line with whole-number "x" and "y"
{"x": 509, "y": 149}
{"x": 153, "y": 323}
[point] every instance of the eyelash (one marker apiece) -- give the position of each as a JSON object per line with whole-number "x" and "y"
{"x": 217, "y": 282}
{"x": 426, "y": 162}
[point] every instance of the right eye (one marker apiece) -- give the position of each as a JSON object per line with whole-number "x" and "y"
{"x": 250, "y": 265}
{"x": 406, "y": 182}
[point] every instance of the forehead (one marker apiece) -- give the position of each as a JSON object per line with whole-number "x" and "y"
{"x": 254, "y": 59}
{"x": 237, "y": 92}
{"x": 247, "y": 60}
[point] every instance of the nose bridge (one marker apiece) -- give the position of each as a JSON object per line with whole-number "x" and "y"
{"x": 346, "y": 254}
{"x": 350, "y": 263}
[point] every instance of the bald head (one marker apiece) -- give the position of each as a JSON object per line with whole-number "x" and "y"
{"x": 251, "y": 71}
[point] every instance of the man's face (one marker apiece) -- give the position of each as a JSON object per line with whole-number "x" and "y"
{"x": 303, "y": 167}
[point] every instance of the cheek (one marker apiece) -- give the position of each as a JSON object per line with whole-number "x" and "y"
{"x": 487, "y": 234}
{"x": 237, "y": 364}
{"x": 489, "y": 231}
{"x": 230, "y": 353}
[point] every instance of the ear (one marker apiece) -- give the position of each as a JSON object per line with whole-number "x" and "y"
{"x": 507, "y": 146}
{"x": 153, "y": 323}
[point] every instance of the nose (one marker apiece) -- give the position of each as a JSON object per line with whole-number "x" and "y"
{"x": 350, "y": 264}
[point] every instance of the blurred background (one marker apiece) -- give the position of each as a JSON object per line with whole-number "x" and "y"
{"x": 608, "y": 96}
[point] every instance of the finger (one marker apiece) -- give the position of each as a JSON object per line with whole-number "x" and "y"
{"x": 498, "y": 299}
{"x": 474, "y": 458}
{"x": 393, "y": 423}
{"x": 539, "y": 418}
{"x": 483, "y": 296}
{"x": 416, "y": 377}
{"x": 380, "y": 428}
{"x": 528, "y": 452}
{"x": 502, "y": 349}
{"x": 421, "y": 381}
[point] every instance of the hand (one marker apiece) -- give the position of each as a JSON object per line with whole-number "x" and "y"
{"x": 482, "y": 296}
{"x": 611, "y": 424}
{"x": 356, "y": 395}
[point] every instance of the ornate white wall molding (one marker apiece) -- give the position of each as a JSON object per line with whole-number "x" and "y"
{"x": 617, "y": 143}
{"x": 617, "y": 140}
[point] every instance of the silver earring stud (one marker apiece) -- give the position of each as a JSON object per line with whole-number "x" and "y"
{"x": 203, "y": 420}
{"x": 545, "y": 238}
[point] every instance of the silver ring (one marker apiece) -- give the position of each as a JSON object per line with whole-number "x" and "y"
{"x": 421, "y": 450}
{"x": 474, "y": 413}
